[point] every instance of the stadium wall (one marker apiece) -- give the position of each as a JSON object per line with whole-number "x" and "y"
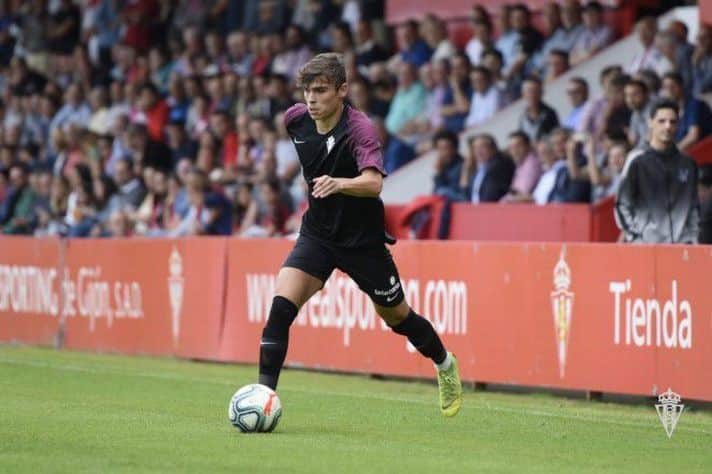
{"x": 594, "y": 317}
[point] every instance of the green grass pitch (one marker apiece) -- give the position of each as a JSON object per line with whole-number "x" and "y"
{"x": 73, "y": 412}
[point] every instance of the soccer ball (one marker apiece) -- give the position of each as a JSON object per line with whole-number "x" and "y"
{"x": 255, "y": 408}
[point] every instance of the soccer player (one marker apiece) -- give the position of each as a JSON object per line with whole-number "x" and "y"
{"x": 343, "y": 228}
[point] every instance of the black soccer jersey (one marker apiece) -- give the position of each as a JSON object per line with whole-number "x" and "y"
{"x": 350, "y": 147}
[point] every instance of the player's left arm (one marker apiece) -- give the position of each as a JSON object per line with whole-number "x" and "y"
{"x": 368, "y": 184}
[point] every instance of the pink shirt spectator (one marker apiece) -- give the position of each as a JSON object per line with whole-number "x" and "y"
{"x": 526, "y": 174}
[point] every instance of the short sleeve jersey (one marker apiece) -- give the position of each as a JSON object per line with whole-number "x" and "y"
{"x": 349, "y": 148}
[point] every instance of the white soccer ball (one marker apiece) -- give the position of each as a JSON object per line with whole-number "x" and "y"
{"x": 255, "y": 408}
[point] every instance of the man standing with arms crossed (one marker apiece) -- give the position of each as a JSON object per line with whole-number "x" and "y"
{"x": 343, "y": 228}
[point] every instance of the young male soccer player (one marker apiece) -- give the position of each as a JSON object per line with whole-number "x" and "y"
{"x": 343, "y": 228}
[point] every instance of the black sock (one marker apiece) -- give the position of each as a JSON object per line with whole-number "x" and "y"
{"x": 422, "y": 335}
{"x": 275, "y": 340}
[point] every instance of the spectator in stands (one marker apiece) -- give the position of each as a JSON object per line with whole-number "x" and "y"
{"x": 538, "y": 118}
{"x": 50, "y": 218}
{"x": 273, "y": 217}
{"x": 210, "y": 213}
{"x": 659, "y": 185}
{"x": 146, "y": 152}
{"x": 696, "y": 119}
{"x": 222, "y": 129}
{"x": 437, "y": 75}
{"x": 528, "y": 167}
{"x": 557, "y": 37}
{"x": 74, "y": 110}
{"x": 485, "y": 100}
{"x": 238, "y": 53}
{"x": 23, "y": 80}
{"x": 595, "y": 36}
{"x": 288, "y": 166}
{"x": 609, "y": 111}
{"x": 131, "y": 190}
{"x": 671, "y": 61}
{"x": 341, "y": 39}
{"x": 529, "y": 42}
{"x": 487, "y": 173}
{"x": 577, "y": 189}
{"x": 704, "y": 190}
{"x": 422, "y": 127}
{"x": 649, "y": 56}
{"x": 296, "y": 53}
{"x": 153, "y": 111}
{"x": 679, "y": 31}
{"x": 606, "y": 179}
{"x": 151, "y": 216}
{"x": 82, "y": 204}
{"x": 456, "y": 104}
{"x": 448, "y": 167}
{"x": 572, "y": 26}
{"x": 638, "y": 102}
{"x": 492, "y": 60}
{"x": 480, "y": 13}
{"x": 481, "y": 40}
{"x": 17, "y": 211}
{"x": 180, "y": 144}
{"x": 118, "y": 225}
{"x": 702, "y": 62}
{"x": 508, "y": 40}
{"x": 411, "y": 48}
{"x": 407, "y": 105}
{"x": 651, "y": 79}
{"x": 557, "y": 63}
{"x": 368, "y": 51}
{"x": 434, "y": 33}
{"x": 553, "y": 183}
{"x": 577, "y": 90}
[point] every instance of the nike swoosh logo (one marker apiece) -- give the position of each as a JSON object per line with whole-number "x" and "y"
{"x": 299, "y": 142}
{"x": 391, "y": 298}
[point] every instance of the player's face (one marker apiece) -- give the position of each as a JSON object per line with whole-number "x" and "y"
{"x": 323, "y": 98}
{"x": 663, "y": 126}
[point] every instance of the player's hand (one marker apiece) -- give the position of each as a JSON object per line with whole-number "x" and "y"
{"x": 325, "y": 186}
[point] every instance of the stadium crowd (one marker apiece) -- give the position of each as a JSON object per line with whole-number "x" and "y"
{"x": 165, "y": 118}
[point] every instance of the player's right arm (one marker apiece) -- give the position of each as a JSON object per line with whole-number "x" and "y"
{"x": 368, "y": 184}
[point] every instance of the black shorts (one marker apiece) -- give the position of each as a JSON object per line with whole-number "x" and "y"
{"x": 372, "y": 267}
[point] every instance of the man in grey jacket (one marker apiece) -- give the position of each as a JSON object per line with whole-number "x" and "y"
{"x": 657, "y": 201}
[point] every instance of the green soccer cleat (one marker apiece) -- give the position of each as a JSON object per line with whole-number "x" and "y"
{"x": 450, "y": 389}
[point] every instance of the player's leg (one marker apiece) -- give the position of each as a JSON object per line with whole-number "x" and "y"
{"x": 406, "y": 322}
{"x": 303, "y": 274}
{"x": 421, "y": 334}
{"x": 376, "y": 274}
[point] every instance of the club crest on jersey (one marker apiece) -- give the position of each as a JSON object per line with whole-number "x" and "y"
{"x": 330, "y": 142}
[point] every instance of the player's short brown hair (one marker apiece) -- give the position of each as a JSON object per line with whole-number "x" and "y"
{"x": 330, "y": 66}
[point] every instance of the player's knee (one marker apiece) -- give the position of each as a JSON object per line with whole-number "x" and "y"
{"x": 395, "y": 315}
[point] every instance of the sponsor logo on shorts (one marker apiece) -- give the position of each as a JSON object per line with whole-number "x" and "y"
{"x": 391, "y": 291}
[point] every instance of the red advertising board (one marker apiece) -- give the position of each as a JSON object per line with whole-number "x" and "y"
{"x": 612, "y": 318}
{"x": 129, "y": 296}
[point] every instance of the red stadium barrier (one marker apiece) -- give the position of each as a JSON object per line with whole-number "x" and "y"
{"x": 611, "y": 318}
{"x": 701, "y": 151}
{"x": 511, "y": 222}
{"x": 30, "y": 303}
{"x": 130, "y": 296}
